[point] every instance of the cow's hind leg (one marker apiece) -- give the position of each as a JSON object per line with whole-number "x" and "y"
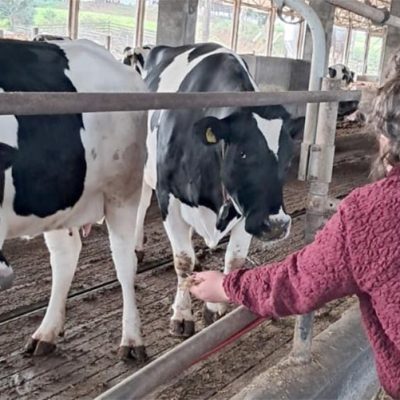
{"x": 235, "y": 257}
{"x": 144, "y": 204}
{"x": 121, "y": 220}
{"x": 64, "y": 246}
{"x": 179, "y": 233}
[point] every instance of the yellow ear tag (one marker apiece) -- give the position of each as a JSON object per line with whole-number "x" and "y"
{"x": 210, "y": 136}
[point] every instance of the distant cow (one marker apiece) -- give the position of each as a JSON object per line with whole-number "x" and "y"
{"x": 65, "y": 171}
{"x": 340, "y": 71}
{"x": 44, "y": 37}
{"x": 136, "y": 57}
{"x": 215, "y": 170}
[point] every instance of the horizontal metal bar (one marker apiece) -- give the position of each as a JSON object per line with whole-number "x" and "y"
{"x": 46, "y": 103}
{"x": 181, "y": 357}
{"x": 379, "y": 16}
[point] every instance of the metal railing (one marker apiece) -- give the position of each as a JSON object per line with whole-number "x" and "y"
{"x": 47, "y": 103}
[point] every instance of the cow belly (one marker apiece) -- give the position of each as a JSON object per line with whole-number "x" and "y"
{"x": 89, "y": 209}
{"x": 203, "y": 221}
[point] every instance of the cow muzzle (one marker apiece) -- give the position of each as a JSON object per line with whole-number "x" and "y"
{"x": 6, "y": 274}
{"x": 275, "y": 228}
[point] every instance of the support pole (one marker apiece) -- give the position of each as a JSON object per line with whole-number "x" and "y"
{"x": 270, "y": 35}
{"x": 235, "y": 25}
{"x": 35, "y": 31}
{"x": 316, "y": 73}
{"x": 320, "y": 175}
{"x": 73, "y": 18}
{"x": 108, "y": 42}
{"x": 141, "y": 7}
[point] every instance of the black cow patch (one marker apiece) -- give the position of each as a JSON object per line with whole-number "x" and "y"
{"x": 200, "y": 50}
{"x": 50, "y": 167}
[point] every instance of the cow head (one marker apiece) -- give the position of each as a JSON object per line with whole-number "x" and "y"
{"x": 136, "y": 57}
{"x": 340, "y": 71}
{"x": 7, "y": 155}
{"x": 257, "y": 153}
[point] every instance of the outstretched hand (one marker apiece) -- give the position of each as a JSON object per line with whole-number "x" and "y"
{"x": 207, "y": 286}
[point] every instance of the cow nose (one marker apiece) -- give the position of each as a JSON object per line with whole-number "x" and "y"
{"x": 276, "y": 228}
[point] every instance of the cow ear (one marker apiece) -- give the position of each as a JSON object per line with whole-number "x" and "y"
{"x": 332, "y": 72}
{"x": 7, "y": 156}
{"x": 211, "y": 130}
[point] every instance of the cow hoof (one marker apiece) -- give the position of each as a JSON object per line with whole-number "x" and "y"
{"x": 137, "y": 353}
{"x": 139, "y": 256}
{"x": 209, "y": 317}
{"x": 182, "y": 329}
{"x": 39, "y": 347}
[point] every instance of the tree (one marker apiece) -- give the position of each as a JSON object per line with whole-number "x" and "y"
{"x": 17, "y": 12}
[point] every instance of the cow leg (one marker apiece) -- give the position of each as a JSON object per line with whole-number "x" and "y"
{"x": 64, "y": 246}
{"x": 235, "y": 257}
{"x": 179, "y": 233}
{"x": 144, "y": 204}
{"x": 121, "y": 227}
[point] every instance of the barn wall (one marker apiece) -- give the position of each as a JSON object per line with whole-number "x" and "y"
{"x": 278, "y": 74}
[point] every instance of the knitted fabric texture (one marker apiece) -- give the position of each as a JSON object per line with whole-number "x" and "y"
{"x": 356, "y": 253}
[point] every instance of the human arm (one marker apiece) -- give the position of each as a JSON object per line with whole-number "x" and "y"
{"x": 302, "y": 282}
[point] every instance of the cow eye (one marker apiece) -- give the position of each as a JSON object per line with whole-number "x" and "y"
{"x": 243, "y": 155}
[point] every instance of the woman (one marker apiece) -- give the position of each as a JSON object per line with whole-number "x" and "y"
{"x": 357, "y": 253}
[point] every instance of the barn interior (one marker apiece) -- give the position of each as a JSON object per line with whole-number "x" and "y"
{"x": 278, "y": 48}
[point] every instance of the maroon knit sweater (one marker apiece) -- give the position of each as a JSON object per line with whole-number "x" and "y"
{"x": 357, "y": 252}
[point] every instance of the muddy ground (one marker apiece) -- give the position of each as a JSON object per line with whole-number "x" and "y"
{"x": 85, "y": 362}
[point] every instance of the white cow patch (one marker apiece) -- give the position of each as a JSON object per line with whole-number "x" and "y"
{"x": 271, "y": 130}
{"x": 6, "y": 276}
{"x": 203, "y": 220}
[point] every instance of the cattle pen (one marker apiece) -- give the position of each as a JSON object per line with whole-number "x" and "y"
{"x": 223, "y": 359}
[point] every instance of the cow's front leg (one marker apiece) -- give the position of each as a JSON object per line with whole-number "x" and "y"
{"x": 121, "y": 221}
{"x": 235, "y": 257}
{"x": 64, "y": 246}
{"x": 179, "y": 233}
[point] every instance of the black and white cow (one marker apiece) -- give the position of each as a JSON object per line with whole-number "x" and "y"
{"x": 136, "y": 57}
{"x": 65, "y": 171}
{"x": 216, "y": 171}
{"x": 340, "y": 71}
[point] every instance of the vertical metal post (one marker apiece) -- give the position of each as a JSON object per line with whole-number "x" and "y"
{"x": 366, "y": 52}
{"x": 319, "y": 175}
{"x": 35, "y": 31}
{"x": 271, "y": 25}
{"x": 348, "y": 45}
{"x": 140, "y": 11}
{"x": 317, "y": 71}
{"x": 235, "y": 25}
{"x": 301, "y": 40}
{"x": 1, "y": 33}
{"x": 73, "y": 18}
{"x": 108, "y": 42}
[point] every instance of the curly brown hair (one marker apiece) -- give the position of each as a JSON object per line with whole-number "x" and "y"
{"x": 385, "y": 118}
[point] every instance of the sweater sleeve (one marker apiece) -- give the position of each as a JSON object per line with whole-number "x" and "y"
{"x": 304, "y": 281}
